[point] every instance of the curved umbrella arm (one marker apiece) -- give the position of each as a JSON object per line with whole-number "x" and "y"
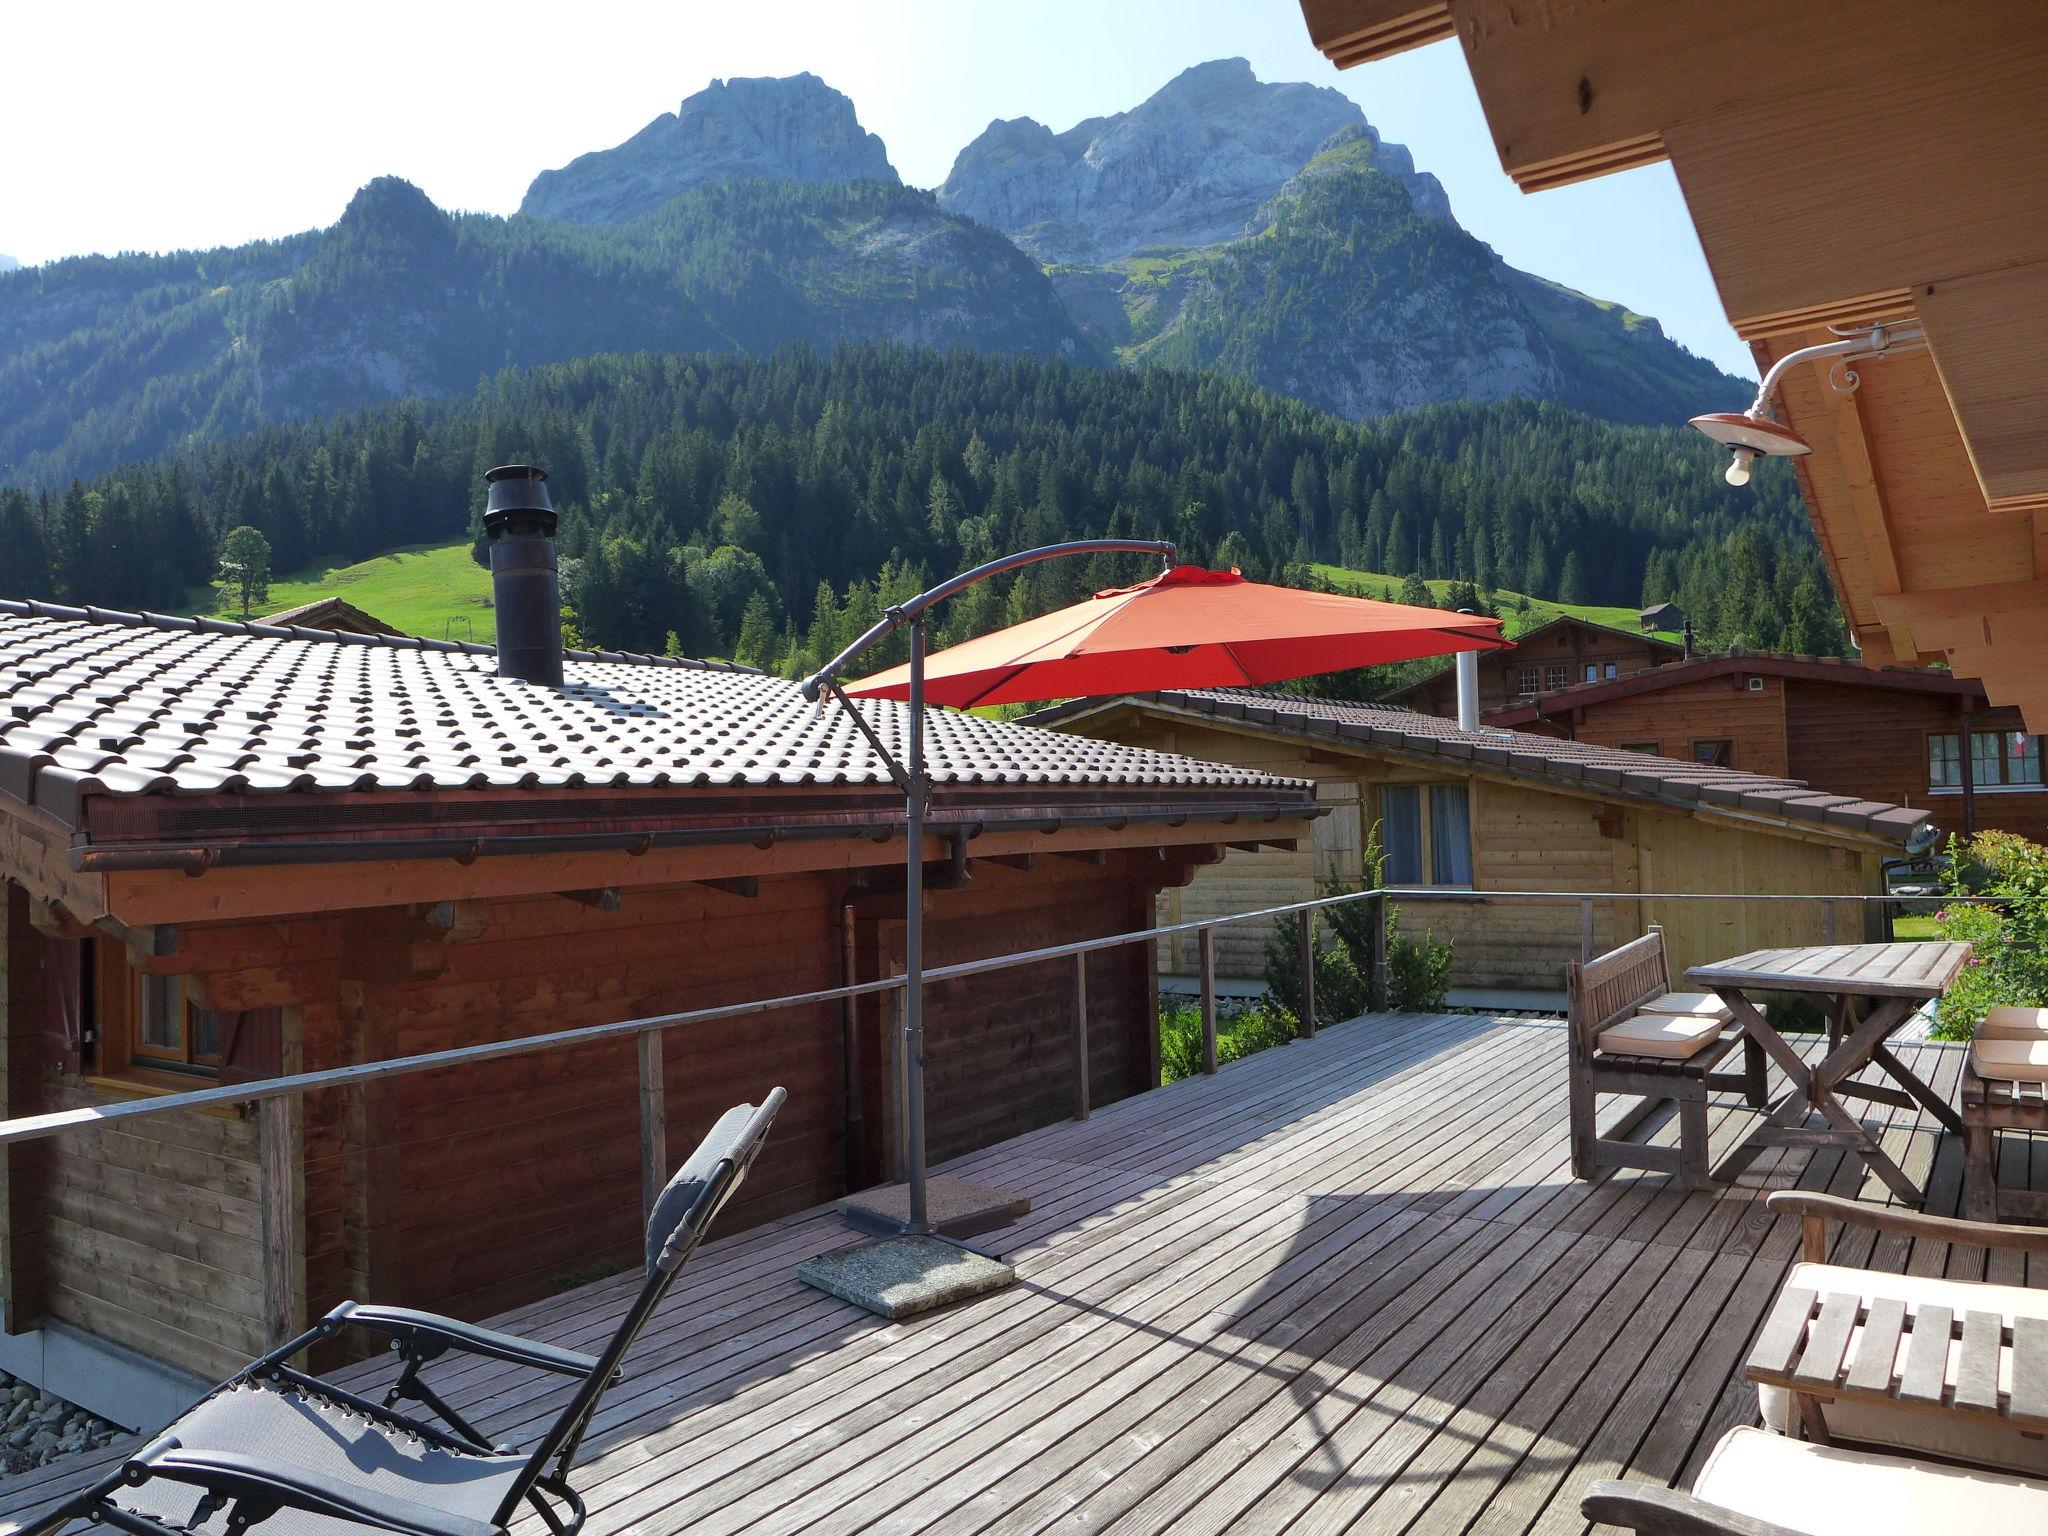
{"x": 917, "y": 606}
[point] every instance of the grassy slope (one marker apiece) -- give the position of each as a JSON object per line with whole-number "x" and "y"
{"x": 418, "y": 589}
{"x": 1540, "y": 611}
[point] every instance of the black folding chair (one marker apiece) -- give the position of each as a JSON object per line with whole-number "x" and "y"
{"x": 275, "y": 1447}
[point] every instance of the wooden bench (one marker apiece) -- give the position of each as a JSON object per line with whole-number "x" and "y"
{"x": 1608, "y": 990}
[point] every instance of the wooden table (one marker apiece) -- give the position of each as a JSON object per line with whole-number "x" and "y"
{"x": 1898, "y": 978}
{"x": 1807, "y": 1334}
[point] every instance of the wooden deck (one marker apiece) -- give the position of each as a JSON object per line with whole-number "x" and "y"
{"x": 1347, "y": 1285}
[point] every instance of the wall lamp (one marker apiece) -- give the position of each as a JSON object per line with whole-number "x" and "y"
{"x": 1756, "y": 433}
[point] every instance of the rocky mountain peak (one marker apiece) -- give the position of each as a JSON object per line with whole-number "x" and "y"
{"x": 392, "y": 212}
{"x": 796, "y": 128}
{"x": 8, "y": 263}
{"x": 1190, "y": 166}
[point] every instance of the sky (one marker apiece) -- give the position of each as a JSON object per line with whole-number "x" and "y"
{"x": 154, "y": 127}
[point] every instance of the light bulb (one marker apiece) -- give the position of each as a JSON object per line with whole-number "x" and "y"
{"x": 1738, "y": 465}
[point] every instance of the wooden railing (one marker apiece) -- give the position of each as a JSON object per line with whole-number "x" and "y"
{"x": 280, "y": 1125}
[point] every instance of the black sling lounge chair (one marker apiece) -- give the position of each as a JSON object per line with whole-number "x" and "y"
{"x": 292, "y": 1455}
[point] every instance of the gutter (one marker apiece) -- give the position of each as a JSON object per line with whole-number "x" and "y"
{"x": 198, "y": 859}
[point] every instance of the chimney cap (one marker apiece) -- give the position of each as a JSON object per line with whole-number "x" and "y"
{"x": 517, "y": 501}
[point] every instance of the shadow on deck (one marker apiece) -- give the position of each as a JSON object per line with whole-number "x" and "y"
{"x": 1348, "y": 1285}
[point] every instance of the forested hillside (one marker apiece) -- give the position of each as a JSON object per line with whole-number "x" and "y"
{"x": 110, "y": 359}
{"x": 762, "y": 507}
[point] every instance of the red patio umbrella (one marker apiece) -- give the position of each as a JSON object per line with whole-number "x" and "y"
{"x": 1186, "y": 628}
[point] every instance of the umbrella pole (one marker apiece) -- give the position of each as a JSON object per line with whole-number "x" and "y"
{"x": 913, "y": 937}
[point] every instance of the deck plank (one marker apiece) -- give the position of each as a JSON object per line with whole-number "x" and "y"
{"x": 1347, "y": 1285}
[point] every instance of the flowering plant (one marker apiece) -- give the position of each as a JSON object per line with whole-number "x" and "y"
{"x": 2008, "y": 935}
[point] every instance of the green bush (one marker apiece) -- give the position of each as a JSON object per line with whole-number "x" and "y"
{"x": 1418, "y": 969}
{"x": 2009, "y": 942}
{"x": 1242, "y": 1029}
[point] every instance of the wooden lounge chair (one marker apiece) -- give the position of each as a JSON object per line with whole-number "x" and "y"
{"x": 1756, "y": 1483}
{"x": 1629, "y": 1033}
{"x": 1963, "y": 1408}
{"x": 291, "y": 1455}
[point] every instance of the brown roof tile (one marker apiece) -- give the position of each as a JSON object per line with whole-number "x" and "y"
{"x": 1531, "y": 756}
{"x": 93, "y": 702}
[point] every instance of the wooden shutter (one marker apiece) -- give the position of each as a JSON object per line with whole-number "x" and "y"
{"x": 59, "y": 1004}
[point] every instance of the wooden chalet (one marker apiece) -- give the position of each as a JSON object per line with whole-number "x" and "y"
{"x": 1914, "y": 735}
{"x": 1498, "y": 811}
{"x": 1845, "y": 166}
{"x": 234, "y": 850}
{"x": 1551, "y": 656}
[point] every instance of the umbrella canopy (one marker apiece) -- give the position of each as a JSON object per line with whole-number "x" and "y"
{"x": 1187, "y": 628}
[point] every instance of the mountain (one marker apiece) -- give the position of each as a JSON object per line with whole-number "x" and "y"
{"x": 1191, "y": 166}
{"x": 8, "y": 263}
{"x": 110, "y": 359}
{"x": 797, "y": 129}
{"x": 1268, "y": 231}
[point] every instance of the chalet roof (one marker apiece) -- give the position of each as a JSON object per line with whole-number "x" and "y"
{"x": 1541, "y": 759}
{"x": 95, "y": 703}
{"x": 330, "y": 614}
{"x": 1633, "y": 636}
{"x": 1818, "y": 669}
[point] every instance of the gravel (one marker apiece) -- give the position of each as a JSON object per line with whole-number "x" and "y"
{"x": 36, "y": 1429}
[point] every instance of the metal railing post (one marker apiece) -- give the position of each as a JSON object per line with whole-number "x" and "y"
{"x": 1206, "y": 943}
{"x": 1306, "y": 960}
{"x": 1376, "y": 983}
{"x": 1080, "y": 1037}
{"x": 653, "y": 1123}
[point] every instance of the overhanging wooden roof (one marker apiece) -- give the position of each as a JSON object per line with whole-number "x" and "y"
{"x": 1843, "y": 164}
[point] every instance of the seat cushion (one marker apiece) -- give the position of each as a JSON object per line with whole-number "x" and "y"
{"x": 2017, "y": 1061}
{"x": 1703, "y": 1005}
{"x": 2006, "y": 1022}
{"x": 1903, "y": 1429}
{"x": 1665, "y": 1036}
{"x": 290, "y": 1430}
{"x": 1830, "y": 1491}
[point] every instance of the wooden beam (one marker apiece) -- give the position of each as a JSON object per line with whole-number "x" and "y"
{"x": 605, "y": 898}
{"x": 1989, "y": 335}
{"x": 1095, "y": 856}
{"x": 1359, "y": 31}
{"x": 1867, "y": 503}
{"x": 281, "y": 1190}
{"x": 1023, "y": 861}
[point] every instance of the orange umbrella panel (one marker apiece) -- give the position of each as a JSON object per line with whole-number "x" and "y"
{"x": 1187, "y": 628}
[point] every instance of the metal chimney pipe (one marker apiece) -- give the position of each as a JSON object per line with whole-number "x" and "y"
{"x": 1468, "y": 688}
{"x": 519, "y": 520}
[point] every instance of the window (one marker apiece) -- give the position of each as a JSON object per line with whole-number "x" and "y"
{"x": 1647, "y": 747}
{"x": 1608, "y": 670}
{"x": 1556, "y": 675}
{"x": 1401, "y": 833}
{"x": 1718, "y": 752}
{"x": 1450, "y": 835}
{"x": 171, "y": 1030}
{"x": 1998, "y": 760}
{"x": 1439, "y": 842}
{"x": 1593, "y": 671}
{"x": 1528, "y": 682}
{"x": 1945, "y": 761}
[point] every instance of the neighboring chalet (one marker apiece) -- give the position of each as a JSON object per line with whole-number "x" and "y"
{"x": 331, "y": 615}
{"x": 1882, "y": 733}
{"x": 1550, "y": 656}
{"x": 233, "y": 850}
{"x": 1494, "y": 810}
{"x": 1664, "y": 616}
